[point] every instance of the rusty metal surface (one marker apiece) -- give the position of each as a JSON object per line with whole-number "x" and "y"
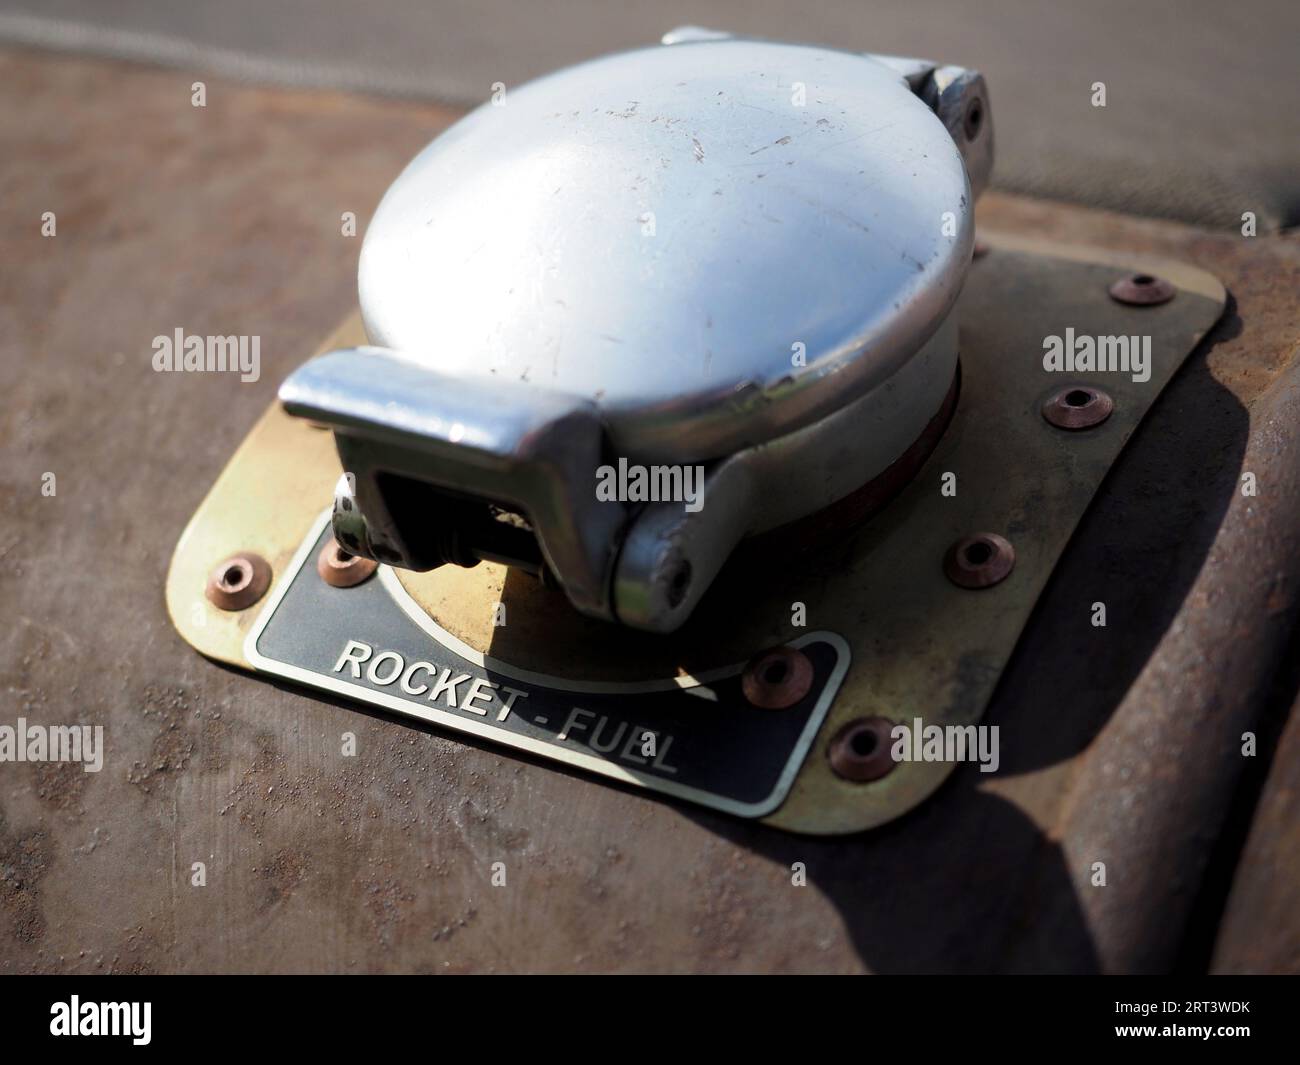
{"x": 1260, "y": 933}
{"x": 171, "y": 217}
{"x": 1211, "y": 578}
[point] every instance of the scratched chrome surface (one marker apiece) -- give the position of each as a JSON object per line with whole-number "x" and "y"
{"x": 518, "y": 244}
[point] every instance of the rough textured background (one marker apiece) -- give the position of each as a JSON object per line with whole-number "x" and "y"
{"x": 1201, "y": 121}
{"x": 226, "y": 220}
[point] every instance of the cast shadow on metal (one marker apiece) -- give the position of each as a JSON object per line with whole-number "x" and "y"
{"x": 917, "y": 895}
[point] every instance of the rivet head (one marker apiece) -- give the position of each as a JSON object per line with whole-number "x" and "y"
{"x": 1142, "y": 290}
{"x": 340, "y": 568}
{"x": 1078, "y": 407}
{"x": 777, "y": 678}
{"x": 239, "y": 581}
{"x": 979, "y": 560}
{"x": 860, "y": 750}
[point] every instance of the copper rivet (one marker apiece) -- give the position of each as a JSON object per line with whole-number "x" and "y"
{"x": 239, "y": 581}
{"x": 777, "y": 678}
{"x": 1078, "y": 407}
{"x": 1142, "y": 290}
{"x": 860, "y": 751}
{"x": 341, "y": 568}
{"x": 979, "y": 561}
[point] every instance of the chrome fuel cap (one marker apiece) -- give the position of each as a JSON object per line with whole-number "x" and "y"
{"x": 655, "y": 232}
{"x": 719, "y": 257}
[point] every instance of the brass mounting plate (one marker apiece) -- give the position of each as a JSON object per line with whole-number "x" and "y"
{"x": 920, "y": 647}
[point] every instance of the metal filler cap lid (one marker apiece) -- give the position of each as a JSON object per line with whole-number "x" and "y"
{"x": 723, "y": 257}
